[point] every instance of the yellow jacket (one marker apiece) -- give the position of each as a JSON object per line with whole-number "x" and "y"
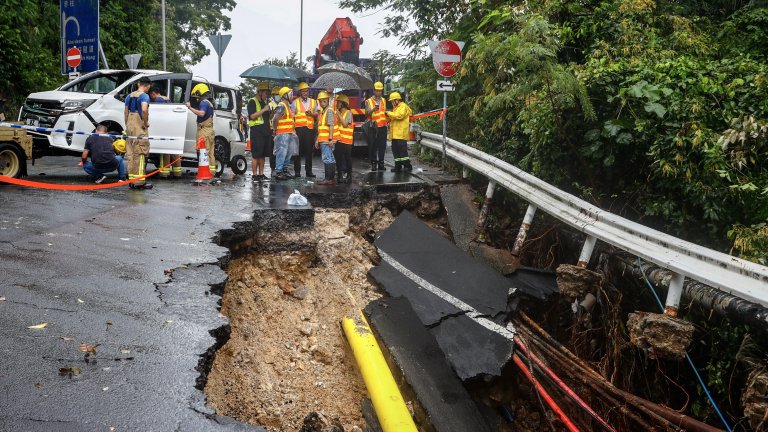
{"x": 400, "y": 122}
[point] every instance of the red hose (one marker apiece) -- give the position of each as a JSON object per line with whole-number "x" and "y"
{"x": 545, "y": 395}
{"x": 562, "y": 385}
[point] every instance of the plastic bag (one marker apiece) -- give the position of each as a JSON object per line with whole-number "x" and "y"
{"x": 297, "y": 199}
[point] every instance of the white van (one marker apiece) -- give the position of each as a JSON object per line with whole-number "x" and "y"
{"x": 99, "y": 97}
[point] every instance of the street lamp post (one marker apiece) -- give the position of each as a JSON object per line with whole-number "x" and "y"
{"x": 301, "y": 32}
{"x": 165, "y": 62}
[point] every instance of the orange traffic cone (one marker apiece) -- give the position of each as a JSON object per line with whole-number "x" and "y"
{"x": 248, "y": 145}
{"x": 203, "y": 164}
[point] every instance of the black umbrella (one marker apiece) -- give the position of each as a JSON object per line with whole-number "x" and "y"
{"x": 361, "y": 76}
{"x": 336, "y": 80}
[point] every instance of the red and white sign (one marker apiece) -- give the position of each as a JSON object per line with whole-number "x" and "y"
{"x": 73, "y": 57}
{"x": 446, "y": 56}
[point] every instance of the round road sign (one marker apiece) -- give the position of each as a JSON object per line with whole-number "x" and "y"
{"x": 446, "y": 57}
{"x": 73, "y": 57}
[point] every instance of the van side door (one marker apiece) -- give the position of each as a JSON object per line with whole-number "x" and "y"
{"x": 168, "y": 119}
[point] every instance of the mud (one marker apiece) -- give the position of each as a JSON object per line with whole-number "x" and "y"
{"x": 286, "y": 357}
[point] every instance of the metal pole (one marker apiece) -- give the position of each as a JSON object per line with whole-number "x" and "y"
{"x": 165, "y": 62}
{"x": 219, "y": 62}
{"x": 445, "y": 123}
{"x": 484, "y": 210}
{"x": 673, "y": 294}
{"x": 586, "y": 251}
{"x": 103, "y": 56}
{"x": 523, "y": 232}
{"x": 301, "y": 33}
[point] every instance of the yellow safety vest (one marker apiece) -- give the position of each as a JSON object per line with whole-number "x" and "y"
{"x": 344, "y": 135}
{"x": 260, "y": 119}
{"x": 302, "y": 119}
{"x": 285, "y": 123}
{"x": 380, "y": 116}
{"x": 323, "y": 130}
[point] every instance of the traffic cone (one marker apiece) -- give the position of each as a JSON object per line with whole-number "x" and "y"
{"x": 203, "y": 164}
{"x": 412, "y": 133}
{"x": 248, "y": 145}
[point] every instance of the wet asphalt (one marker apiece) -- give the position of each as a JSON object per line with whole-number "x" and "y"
{"x": 132, "y": 275}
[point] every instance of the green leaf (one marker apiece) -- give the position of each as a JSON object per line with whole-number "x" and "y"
{"x": 655, "y": 108}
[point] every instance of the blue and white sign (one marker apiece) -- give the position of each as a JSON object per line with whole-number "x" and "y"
{"x": 80, "y": 30}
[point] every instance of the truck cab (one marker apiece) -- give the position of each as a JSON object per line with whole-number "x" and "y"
{"x": 99, "y": 97}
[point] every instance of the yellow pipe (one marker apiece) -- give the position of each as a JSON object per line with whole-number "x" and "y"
{"x": 387, "y": 401}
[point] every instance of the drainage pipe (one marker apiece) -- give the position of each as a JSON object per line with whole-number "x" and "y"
{"x": 387, "y": 401}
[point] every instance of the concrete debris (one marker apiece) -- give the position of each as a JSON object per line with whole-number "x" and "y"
{"x": 755, "y": 400}
{"x": 301, "y": 293}
{"x": 316, "y": 422}
{"x": 663, "y": 336}
{"x": 576, "y": 282}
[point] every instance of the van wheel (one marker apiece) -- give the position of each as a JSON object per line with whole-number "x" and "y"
{"x": 238, "y": 164}
{"x": 10, "y": 161}
{"x": 221, "y": 150}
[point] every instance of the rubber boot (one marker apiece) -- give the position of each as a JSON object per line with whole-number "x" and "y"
{"x": 330, "y": 170}
{"x": 380, "y": 166}
{"x": 374, "y": 165}
{"x": 398, "y": 167}
{"x": 348, "y": 177}
{"x": 407, "y": 167}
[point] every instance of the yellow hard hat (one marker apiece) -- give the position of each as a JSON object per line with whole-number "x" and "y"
{"x": 342, "y": 98}
{"x": 284, "y": 91}
{"x": 200, "y": 90}
{"x": 303, "y": 86}
{"x": 394, "y": 96}
{"x": 263, "y": 86}
{"x": 275, "y": 90}
{"x": 378, "y": 86}
{"x": 119, "y": 145}
{"x": 323, "y": 95}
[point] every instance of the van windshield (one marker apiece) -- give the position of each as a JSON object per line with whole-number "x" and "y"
{"x": 100, "y": 83}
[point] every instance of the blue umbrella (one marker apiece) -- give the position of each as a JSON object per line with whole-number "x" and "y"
{"x": 267, "y": 72}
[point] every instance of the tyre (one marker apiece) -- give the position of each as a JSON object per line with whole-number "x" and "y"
{"x": 221, "y": 150}
{"x": 11, "y": 162}
{"x": 238, "y": 164}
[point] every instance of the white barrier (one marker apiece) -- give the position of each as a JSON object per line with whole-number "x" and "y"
{"x": 733, "y": 275}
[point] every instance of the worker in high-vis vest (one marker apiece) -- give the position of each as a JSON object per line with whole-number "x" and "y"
{"x": 400, "y": 130}
{"x": 284, "y": 132}
{"x": 204, "y": 113}
{"x": 306, "y": 110}
{"x": 136, "y": 125}
{"x": 343, "y": 134}
{"x": 259, "y": 130}
{"x": 325, "y": 142}
{"x": 375, "y": 111}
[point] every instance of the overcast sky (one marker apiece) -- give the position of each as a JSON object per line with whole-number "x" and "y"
{"x": 262, "y": 30}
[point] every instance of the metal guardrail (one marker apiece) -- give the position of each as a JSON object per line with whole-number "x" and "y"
{"x": 735, "y": 276}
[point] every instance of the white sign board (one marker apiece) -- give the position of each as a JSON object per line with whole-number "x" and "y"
{"x": 444, "y": 86}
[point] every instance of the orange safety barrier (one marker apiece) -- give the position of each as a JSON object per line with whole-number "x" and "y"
{"x": 55, "y": 186}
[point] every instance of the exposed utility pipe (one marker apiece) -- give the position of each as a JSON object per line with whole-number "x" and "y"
{"x": 530, "y": 212}
{"x": 545, "y": 395}
{"x": 486, "y": 208}
{"x": 387, "y": 401}
{"x": 586, "y": 251}
{"x": 590, "y": 377}
{"x": 673, "y": 295}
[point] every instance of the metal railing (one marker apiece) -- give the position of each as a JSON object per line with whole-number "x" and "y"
{"x": 735, "y": 276}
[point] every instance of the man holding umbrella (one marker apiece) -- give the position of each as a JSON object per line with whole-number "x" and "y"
{"x": 306, "y": 110}
{"x": 284, "y": 130}
{"x": 375, "y": 110}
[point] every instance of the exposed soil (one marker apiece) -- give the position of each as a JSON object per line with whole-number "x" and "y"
{"x": 286, "y": 356}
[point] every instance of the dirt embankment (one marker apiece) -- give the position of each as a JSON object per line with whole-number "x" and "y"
{"x": 286, "y": 356}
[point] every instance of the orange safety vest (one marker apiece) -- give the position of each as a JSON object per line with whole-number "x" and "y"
{"x": 302, "y": 119}
{"x": 344, "y": 135}
{"x": 323, "y": 130}
{"x": 380, "y": 116}
{"x": 285, "y": 123}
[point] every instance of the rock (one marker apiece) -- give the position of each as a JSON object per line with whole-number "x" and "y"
{"x": 301, "y": 293}
{"x": 314, "y": 422}
{"x": 755, "y": 400}
{"x": 355, "y": 429}
{"x": 240, "y": 285}
{"x": 428, "y": 208}
{"x": 379, "y": 221}
{"x": 323, "y": 356}
{"x": 306, "y": 329}
{"x": 575, "y": 282}
{"x": 663, "y": 336}
{"x": 285, "y": 286}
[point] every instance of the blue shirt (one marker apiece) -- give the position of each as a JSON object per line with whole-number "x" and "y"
{"x": 134, "y": 104}
{"x": 207, "y": 108}
{"x": 160, "y": 99}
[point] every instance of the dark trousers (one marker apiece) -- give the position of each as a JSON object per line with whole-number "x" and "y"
{"x": 400, "y": 151}
{"x": 343, "y": 155}
{"x": 271, "y": 153}
{"x": 378, "y": 147}
{"x": 306, "y": 148}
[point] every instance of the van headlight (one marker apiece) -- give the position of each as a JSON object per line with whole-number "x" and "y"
{"x": 74, "y": 105}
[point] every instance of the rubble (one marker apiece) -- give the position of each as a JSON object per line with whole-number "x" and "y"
{"x": 663, "y": 336}
{"x": 575, "y": 282}
{"x": 755, "y": 400}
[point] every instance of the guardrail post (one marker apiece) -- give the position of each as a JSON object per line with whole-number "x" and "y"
{"x": 586, "y": 251}
{"x": 484, "y": 210}
{"x": 464, "y": 173}
{"x": 673, "y": 294}
{"x": 523, "y": 232}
